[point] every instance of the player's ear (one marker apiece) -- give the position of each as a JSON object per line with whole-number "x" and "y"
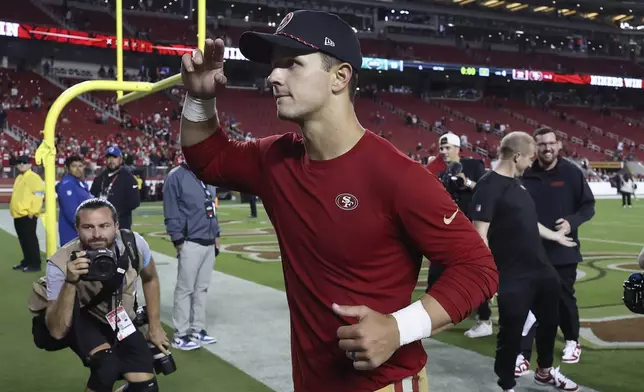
{"x": 342, "y": 77}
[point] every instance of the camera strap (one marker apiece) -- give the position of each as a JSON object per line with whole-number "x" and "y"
{"x": 106, "y": 192}
{"x": 115, "y": 285}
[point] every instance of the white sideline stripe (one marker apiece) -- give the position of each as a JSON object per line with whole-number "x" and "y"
{"x": 611, "y": 241}
{"x": 253, "y": 333}
{"x": 610, "y": 318}
{"x": 588, "y": 334}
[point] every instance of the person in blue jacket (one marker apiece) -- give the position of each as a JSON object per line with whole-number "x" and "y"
{"x": 71, "y": 191}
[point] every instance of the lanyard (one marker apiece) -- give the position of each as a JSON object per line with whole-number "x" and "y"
{"x": 109, "y": 188}
{"x": 203, "y": 186}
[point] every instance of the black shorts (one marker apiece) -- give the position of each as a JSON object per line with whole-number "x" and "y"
{"x": 88, "y": 332}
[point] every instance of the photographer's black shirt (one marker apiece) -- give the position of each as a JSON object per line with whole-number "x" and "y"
{"x": 513, "y": 235}
{"x": 473, "y": 169}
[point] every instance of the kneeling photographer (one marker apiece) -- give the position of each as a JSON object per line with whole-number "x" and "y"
{"x": 459, "y": 179}
{"x": 90, "y": 289}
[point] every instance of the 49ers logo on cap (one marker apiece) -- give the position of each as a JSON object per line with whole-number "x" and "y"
{"x": 346, "y": 201}
{"x": 284, "y": 22}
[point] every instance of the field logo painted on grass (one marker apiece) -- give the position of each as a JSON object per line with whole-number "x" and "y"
{"x": 623, "y": 331}
{"x": 261, "y": 252}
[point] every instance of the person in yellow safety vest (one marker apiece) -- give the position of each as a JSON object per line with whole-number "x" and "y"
{"x": 25, "y": 206}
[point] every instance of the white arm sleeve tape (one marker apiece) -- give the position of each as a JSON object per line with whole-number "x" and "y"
{"x": 413, "y": 323}
{"x": 198, "y": 110}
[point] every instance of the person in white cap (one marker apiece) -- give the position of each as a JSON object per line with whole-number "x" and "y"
{"x": 459, "y": 178}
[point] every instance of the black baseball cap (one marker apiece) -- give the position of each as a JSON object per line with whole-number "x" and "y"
{"x": 22, "y": 159}
{"x": 308, "y": 31}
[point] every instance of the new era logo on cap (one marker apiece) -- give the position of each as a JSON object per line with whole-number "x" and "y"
{"x": 328, "y": 42}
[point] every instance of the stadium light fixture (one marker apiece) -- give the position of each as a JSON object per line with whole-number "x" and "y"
{"x": 544, "y": 9}
{"x": 493, "y": 3}
{"x": 519, "y": 8}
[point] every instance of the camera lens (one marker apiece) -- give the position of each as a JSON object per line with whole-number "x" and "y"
{"x": 104, "y": 266}
{"x": 163, "y": 364}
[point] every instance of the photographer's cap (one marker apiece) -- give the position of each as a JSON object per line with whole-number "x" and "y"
{"x": 22, "y": 159}
{"x": 450, "y": 138}
{"x": 308, "y": 32}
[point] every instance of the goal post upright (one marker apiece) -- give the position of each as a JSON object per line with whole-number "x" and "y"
{"x": 46, "y": 152}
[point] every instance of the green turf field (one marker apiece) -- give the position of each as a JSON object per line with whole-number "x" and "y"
{"x": 612, "y": 240}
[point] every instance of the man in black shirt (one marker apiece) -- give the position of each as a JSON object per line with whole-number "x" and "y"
{"x": 118, "y": 186}
{"x": 459, "y": 179}
{"x": 506, "y": 217}
{"x": 564, "y": 201}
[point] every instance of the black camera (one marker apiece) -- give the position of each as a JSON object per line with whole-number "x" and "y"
{"x": 141, "y": 318}
{"x": 450, "y": 179}
{"x": 102, "y": 264}
{"x": 634, "y": 293}
{"x": 163, "y": 364}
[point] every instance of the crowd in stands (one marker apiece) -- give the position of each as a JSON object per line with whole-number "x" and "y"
{"x": 151, "y": 138}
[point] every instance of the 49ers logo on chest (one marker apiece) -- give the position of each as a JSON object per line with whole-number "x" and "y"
{"x": 346, "y": 201}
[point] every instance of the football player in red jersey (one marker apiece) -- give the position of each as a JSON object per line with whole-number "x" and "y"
{"x": 353, "y": 215}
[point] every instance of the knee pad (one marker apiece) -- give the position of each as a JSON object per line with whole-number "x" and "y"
{"x": 144, "y": 386}
{"x": 104, "y": 371}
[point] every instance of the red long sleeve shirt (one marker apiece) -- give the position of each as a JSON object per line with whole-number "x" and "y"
{"x": 352, "y": 230}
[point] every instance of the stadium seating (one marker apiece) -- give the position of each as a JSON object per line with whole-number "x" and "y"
{"x": 27, "y": 12}
{"x": 77, "y": 118}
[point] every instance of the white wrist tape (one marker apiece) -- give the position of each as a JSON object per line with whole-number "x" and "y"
{"x": 413, "y": 323}
{"x": 199, "y": 110}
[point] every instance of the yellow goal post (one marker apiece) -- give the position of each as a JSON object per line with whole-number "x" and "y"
{"x": 46, "y": 152}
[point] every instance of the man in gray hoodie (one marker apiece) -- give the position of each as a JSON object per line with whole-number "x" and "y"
{"x": 191, "y": 221}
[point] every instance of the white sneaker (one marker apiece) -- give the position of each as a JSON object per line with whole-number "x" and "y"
{"x": 555, "y": 379}
{"x": 184, "y": 343}
{"x": 571, "y": 353}
{"x": 521, "y": 366}
{"x": 203, "y": 337}
{"x": 480, "y": 329}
